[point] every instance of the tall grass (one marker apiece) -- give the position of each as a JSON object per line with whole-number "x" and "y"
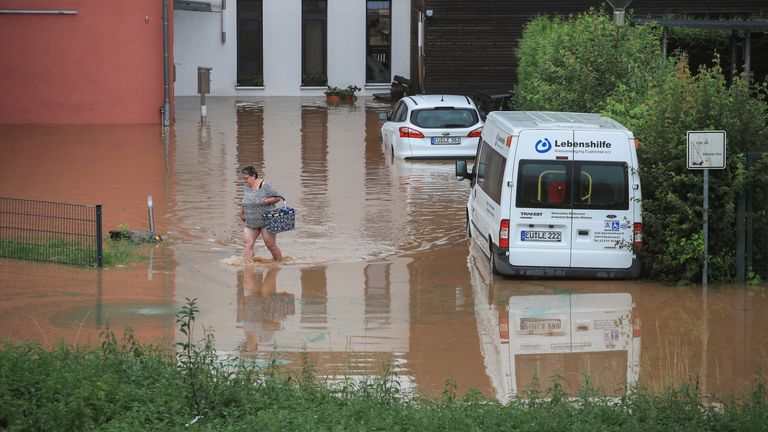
{"x": 63, "y": 251}
{"x": 124, "y": 385}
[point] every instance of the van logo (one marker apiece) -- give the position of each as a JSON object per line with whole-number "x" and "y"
{"x": 543, "y": 145}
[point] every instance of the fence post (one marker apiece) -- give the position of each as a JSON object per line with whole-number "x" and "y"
{"x": 99, "y": 240}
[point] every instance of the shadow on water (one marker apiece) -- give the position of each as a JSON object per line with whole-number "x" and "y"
{"x": 380, "y": 273}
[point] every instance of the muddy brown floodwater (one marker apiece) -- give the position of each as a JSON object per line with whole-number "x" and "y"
{"x": 378, "y": 273}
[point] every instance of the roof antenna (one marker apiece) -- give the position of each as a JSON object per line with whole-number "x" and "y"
{"x": 442, "y": 98}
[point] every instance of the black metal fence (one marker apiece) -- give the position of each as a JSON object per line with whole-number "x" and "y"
{"x": 757, "y": 214}
{"x": 51, "y": 231}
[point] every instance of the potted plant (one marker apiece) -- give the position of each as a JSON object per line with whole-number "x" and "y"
{"x": 335, "y": 95}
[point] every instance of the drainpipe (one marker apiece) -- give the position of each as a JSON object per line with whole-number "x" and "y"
{"x": 166, "y": 72}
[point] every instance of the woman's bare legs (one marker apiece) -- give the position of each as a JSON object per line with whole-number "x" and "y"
{"x": 249, "y": 238}
{"x": 270, "y": 240}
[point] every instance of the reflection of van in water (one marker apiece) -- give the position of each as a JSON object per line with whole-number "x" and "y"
{"x": 555, "y": 194}
{"x": 575, "y": 336}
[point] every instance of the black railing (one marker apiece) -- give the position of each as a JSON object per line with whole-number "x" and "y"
{"x": 51, "y": 231}
{"x": 757, "y": 215}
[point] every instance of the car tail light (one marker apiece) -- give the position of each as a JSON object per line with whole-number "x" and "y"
{"x": 476, "y": 133}
{"x": 504, "y": 234}
{"x": 406, "y": 132}
{"x": 638, "y": 234}
{"x": 503, "y": 325}
{"x": 637, "y": 144}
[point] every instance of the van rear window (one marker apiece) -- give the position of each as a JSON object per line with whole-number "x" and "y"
{"x": 451, "y": 118}
{"x": 569, "y": 184}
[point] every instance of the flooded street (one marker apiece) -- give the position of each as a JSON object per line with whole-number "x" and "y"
{"x": 378, "y": 270}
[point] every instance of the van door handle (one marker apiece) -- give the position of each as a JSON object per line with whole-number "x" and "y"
{"x": 583, "y": 232}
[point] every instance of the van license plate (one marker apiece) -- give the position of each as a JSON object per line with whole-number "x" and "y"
{"x": 545, "y": 236}
{"x": 446, "y": 140}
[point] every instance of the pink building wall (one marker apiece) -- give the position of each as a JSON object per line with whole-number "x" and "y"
{"x": 103, "y": 65}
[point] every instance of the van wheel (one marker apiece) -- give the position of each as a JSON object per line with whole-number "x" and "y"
{"x": 469, "y": 230}
{"x": 492, "y": 259}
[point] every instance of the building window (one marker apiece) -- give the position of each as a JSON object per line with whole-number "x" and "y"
{"x": 314, "y": 15}
{"x": 378, "y": 41}
{"x": 250, "y": 46}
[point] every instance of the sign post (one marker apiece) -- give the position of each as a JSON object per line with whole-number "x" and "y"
{"x": 706, "y": 150}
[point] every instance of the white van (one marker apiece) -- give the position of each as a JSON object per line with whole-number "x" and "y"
{"x": 555, "y": 194}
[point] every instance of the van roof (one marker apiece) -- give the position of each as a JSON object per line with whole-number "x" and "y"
{"x": 554, "y": 120}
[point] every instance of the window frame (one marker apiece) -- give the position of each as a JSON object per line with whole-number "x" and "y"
{"x": 368, "y": 50}
{"x": 304, "y": 20}
{"x": 258, "y": 80}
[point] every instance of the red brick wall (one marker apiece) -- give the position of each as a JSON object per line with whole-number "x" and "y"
{"x": 103, "y": 65}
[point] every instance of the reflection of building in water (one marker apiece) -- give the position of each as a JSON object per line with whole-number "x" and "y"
{"x": 349, "y": 319}
{"x": 49, "y": 303}
{"x": 260, "y": 307}
{"x": 377, "y": 296}
{"x": 314, "y": 296}
{"x": 250, "y": 135}
{"x": 314, "y": 163}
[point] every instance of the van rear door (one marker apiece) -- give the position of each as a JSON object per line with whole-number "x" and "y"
{"x": 602, "y": 213}
{"x": 540, "y": 211}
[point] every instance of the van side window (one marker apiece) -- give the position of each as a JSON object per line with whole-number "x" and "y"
{"x": 490, "y": 171}
{"x": 544, "y": 184}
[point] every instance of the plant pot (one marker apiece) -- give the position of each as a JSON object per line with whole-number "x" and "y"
{"x": 332, "y": 99}
{"x": 348, "y": 98}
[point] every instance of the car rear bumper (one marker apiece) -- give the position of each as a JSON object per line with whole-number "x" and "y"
{"x": 420, "y": 149}
{"x": 503, "y": 266}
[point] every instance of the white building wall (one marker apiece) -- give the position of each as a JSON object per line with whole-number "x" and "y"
{"x": 197, "y": 42}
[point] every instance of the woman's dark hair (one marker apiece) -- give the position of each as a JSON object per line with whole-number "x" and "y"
{"x": 250, "y": 171}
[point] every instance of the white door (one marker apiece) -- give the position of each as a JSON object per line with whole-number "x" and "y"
{"x": 540, "y": 211}
{"x": 602, "y": 214}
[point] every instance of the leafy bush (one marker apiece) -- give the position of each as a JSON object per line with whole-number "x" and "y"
{"x": 587, "y": 64}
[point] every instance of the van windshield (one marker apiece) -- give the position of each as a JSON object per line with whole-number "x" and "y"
{"x": 444, "y": 118}
{"x": 569, "y": 184}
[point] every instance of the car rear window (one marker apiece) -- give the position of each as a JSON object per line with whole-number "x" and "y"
{"x": 444, "y": 118}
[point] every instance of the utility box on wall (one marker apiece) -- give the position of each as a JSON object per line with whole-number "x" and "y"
{"x": 203, "y": 80}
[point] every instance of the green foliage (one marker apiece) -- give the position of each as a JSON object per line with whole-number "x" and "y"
{"x": 347, "y": 92}
{"x": 120, "y": 252}
{"x": 574, "y": 64}
{"x": 587, "y": 64}
{"x": 126, "y": 386}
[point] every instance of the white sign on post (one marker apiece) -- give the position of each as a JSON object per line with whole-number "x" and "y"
{"x": 706, "y": 150}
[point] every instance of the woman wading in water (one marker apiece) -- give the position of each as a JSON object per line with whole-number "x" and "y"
{"x": 258, "y": 197}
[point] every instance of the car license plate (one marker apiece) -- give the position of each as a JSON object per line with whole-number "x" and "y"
{"x": 446, "y": 140}
{"x": 545, "y": 236}
{"x": 540, "y": 324}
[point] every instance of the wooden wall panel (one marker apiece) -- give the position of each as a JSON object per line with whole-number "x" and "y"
{"x": 470, "y": 45}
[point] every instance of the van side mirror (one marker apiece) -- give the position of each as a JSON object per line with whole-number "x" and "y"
{"x": 461, "y": 170}
{"x": 384, "y": 116}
